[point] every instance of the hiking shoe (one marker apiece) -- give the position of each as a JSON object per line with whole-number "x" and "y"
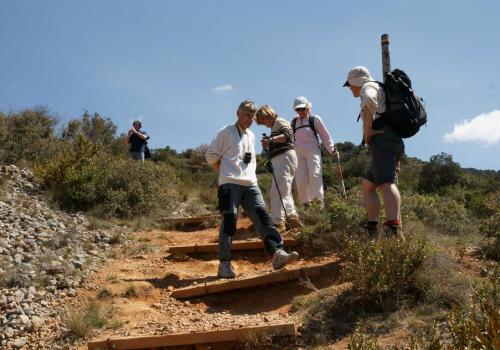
{"x": 225, "y": 270}
{"x": 294, "y": 222}
{"x": 394, "y": 231}
{"x": 373, "y": 231}
{"x": 281, "y": 258}
{"x": 374, "y": 235}
{"x": 281, "y": 227}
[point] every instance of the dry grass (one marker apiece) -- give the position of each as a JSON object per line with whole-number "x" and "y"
{"x": 82, "y": 322}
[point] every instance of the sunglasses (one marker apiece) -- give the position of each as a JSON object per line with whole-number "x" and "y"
{"x": 300, "y": 109}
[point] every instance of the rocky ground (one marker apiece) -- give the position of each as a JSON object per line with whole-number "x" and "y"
{"x": 53, "y": 264}
{"x": 45, "y": 255}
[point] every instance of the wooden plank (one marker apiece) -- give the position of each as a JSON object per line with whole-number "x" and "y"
{"x": 273, "y": 277}
{"x": 225, "y": 335}
{"x": 191, "y": 220}
{"x": 237, "y": 245}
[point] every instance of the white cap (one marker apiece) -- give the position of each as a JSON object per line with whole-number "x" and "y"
{"x": 358, "y": 76}
{"x": 301, "y": 102}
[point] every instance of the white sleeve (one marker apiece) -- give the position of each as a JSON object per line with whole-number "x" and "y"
{"x": 217, "y": 147}
{"x": 325, "y": 136}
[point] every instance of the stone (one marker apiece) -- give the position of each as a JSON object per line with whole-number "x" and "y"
{"x": 20, "y": 342}
{"x": 19, "y": 296}
{"x": 24, "y": 319}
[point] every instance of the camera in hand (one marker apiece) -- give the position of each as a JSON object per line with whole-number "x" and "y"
{"x": 247, "y": 158}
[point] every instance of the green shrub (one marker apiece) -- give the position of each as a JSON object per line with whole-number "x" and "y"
{"x": 441, "y": 171}
{"x": 360, "y": 341}
{"x": 474, "y": 324}
{"x": 389, "y": 266}
{"x": 326, "y": 228}
{"x": 439, "y": 212}
{"x": 489, "y": 226}
{"x": 85, "y": 177}
{"x": 25, "y": 134}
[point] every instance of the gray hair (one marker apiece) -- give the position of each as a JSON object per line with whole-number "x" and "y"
{"x": 248, "y": 105}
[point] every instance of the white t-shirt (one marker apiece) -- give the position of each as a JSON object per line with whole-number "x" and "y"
{"x": 229, "y": 146}
{"x": 373, "y": 97}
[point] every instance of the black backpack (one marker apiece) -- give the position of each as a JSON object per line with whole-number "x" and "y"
{"x": 405, "y": 111}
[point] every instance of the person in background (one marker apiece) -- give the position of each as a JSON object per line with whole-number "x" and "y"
{"x": 232, "y": 154}
{"x": 138, "y": 141}
{"x": 386, "y": 148}
{"x": 306, "y": 128}
{"x": 281, "y": 150}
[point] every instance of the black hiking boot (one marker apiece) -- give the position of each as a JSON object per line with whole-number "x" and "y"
{"x": 373, "y": 232}
{"x": 394, "y": 230}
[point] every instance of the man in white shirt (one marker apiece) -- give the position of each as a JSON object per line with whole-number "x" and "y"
{"x": 386, "y": 148}
{"x": 232, "y": 154}
{"x": 306, "y": 127}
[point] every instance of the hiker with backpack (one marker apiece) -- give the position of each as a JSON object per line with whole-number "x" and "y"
{"x": 232, "y": 155}
{"x": 280, "y": 148}
{"x": 306, "y": 128}
{"x": 386, "y": 147}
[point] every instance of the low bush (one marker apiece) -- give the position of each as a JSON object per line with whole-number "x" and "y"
{"x": 489, "y": 227}
{"x": 327, "y": 228}
{"x": 439, "y": 212}
{"x": 387, "y": 267}
{"x": 474, "y": 324}
{"x": 85, "y": 177}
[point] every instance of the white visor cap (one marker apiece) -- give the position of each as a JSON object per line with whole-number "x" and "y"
{"x": 301, "y": 102}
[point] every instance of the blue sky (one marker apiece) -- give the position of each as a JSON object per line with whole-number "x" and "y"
{"x": 183, "y": 67}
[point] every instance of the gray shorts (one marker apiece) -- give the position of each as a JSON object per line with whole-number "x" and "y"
{"x": 387, "y": 150}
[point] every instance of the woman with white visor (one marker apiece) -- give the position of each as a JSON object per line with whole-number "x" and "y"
{"x": 307, "y": 127}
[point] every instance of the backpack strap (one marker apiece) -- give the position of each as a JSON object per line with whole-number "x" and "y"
{"x": 312, "y": 119}
{"x": 311, "y": 125}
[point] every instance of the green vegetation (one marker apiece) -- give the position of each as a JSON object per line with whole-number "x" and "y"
{"x": 436, "y": 276}
{"x": 84, "y": 166}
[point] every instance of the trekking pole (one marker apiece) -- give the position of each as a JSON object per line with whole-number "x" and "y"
{"x": 344, "y": 193}
{"x": 276, "y": 182}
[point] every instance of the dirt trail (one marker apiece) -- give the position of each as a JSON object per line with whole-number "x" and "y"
{"x": 136, "y": 286}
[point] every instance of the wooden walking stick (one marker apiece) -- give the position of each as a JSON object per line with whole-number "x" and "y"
{"x": 386, "y": 55}
{"x": 386, "y": 68}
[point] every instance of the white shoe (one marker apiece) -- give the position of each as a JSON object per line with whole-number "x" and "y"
{"x": 281, "y": 258}
{"x": 225, "y": 270}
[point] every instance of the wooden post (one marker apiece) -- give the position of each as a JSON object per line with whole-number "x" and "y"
{"x": 386, "y": 55}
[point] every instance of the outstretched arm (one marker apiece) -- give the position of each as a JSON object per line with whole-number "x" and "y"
{"x": 325, "y": 136}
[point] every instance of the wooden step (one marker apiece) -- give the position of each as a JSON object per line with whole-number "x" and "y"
{"x": 227, "y": 285}
{"x": 180, "y": 339}
{"x": 191, "y": 220}
{"x": 237, "y": 245}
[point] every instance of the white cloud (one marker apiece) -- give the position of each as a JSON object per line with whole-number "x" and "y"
{"x": 484, "y": 128}
{"x": 222, "y": 89}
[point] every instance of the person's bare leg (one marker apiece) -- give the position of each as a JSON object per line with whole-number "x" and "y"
{"x": 392, "y": 201}
{"x": 372, "y": 202}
